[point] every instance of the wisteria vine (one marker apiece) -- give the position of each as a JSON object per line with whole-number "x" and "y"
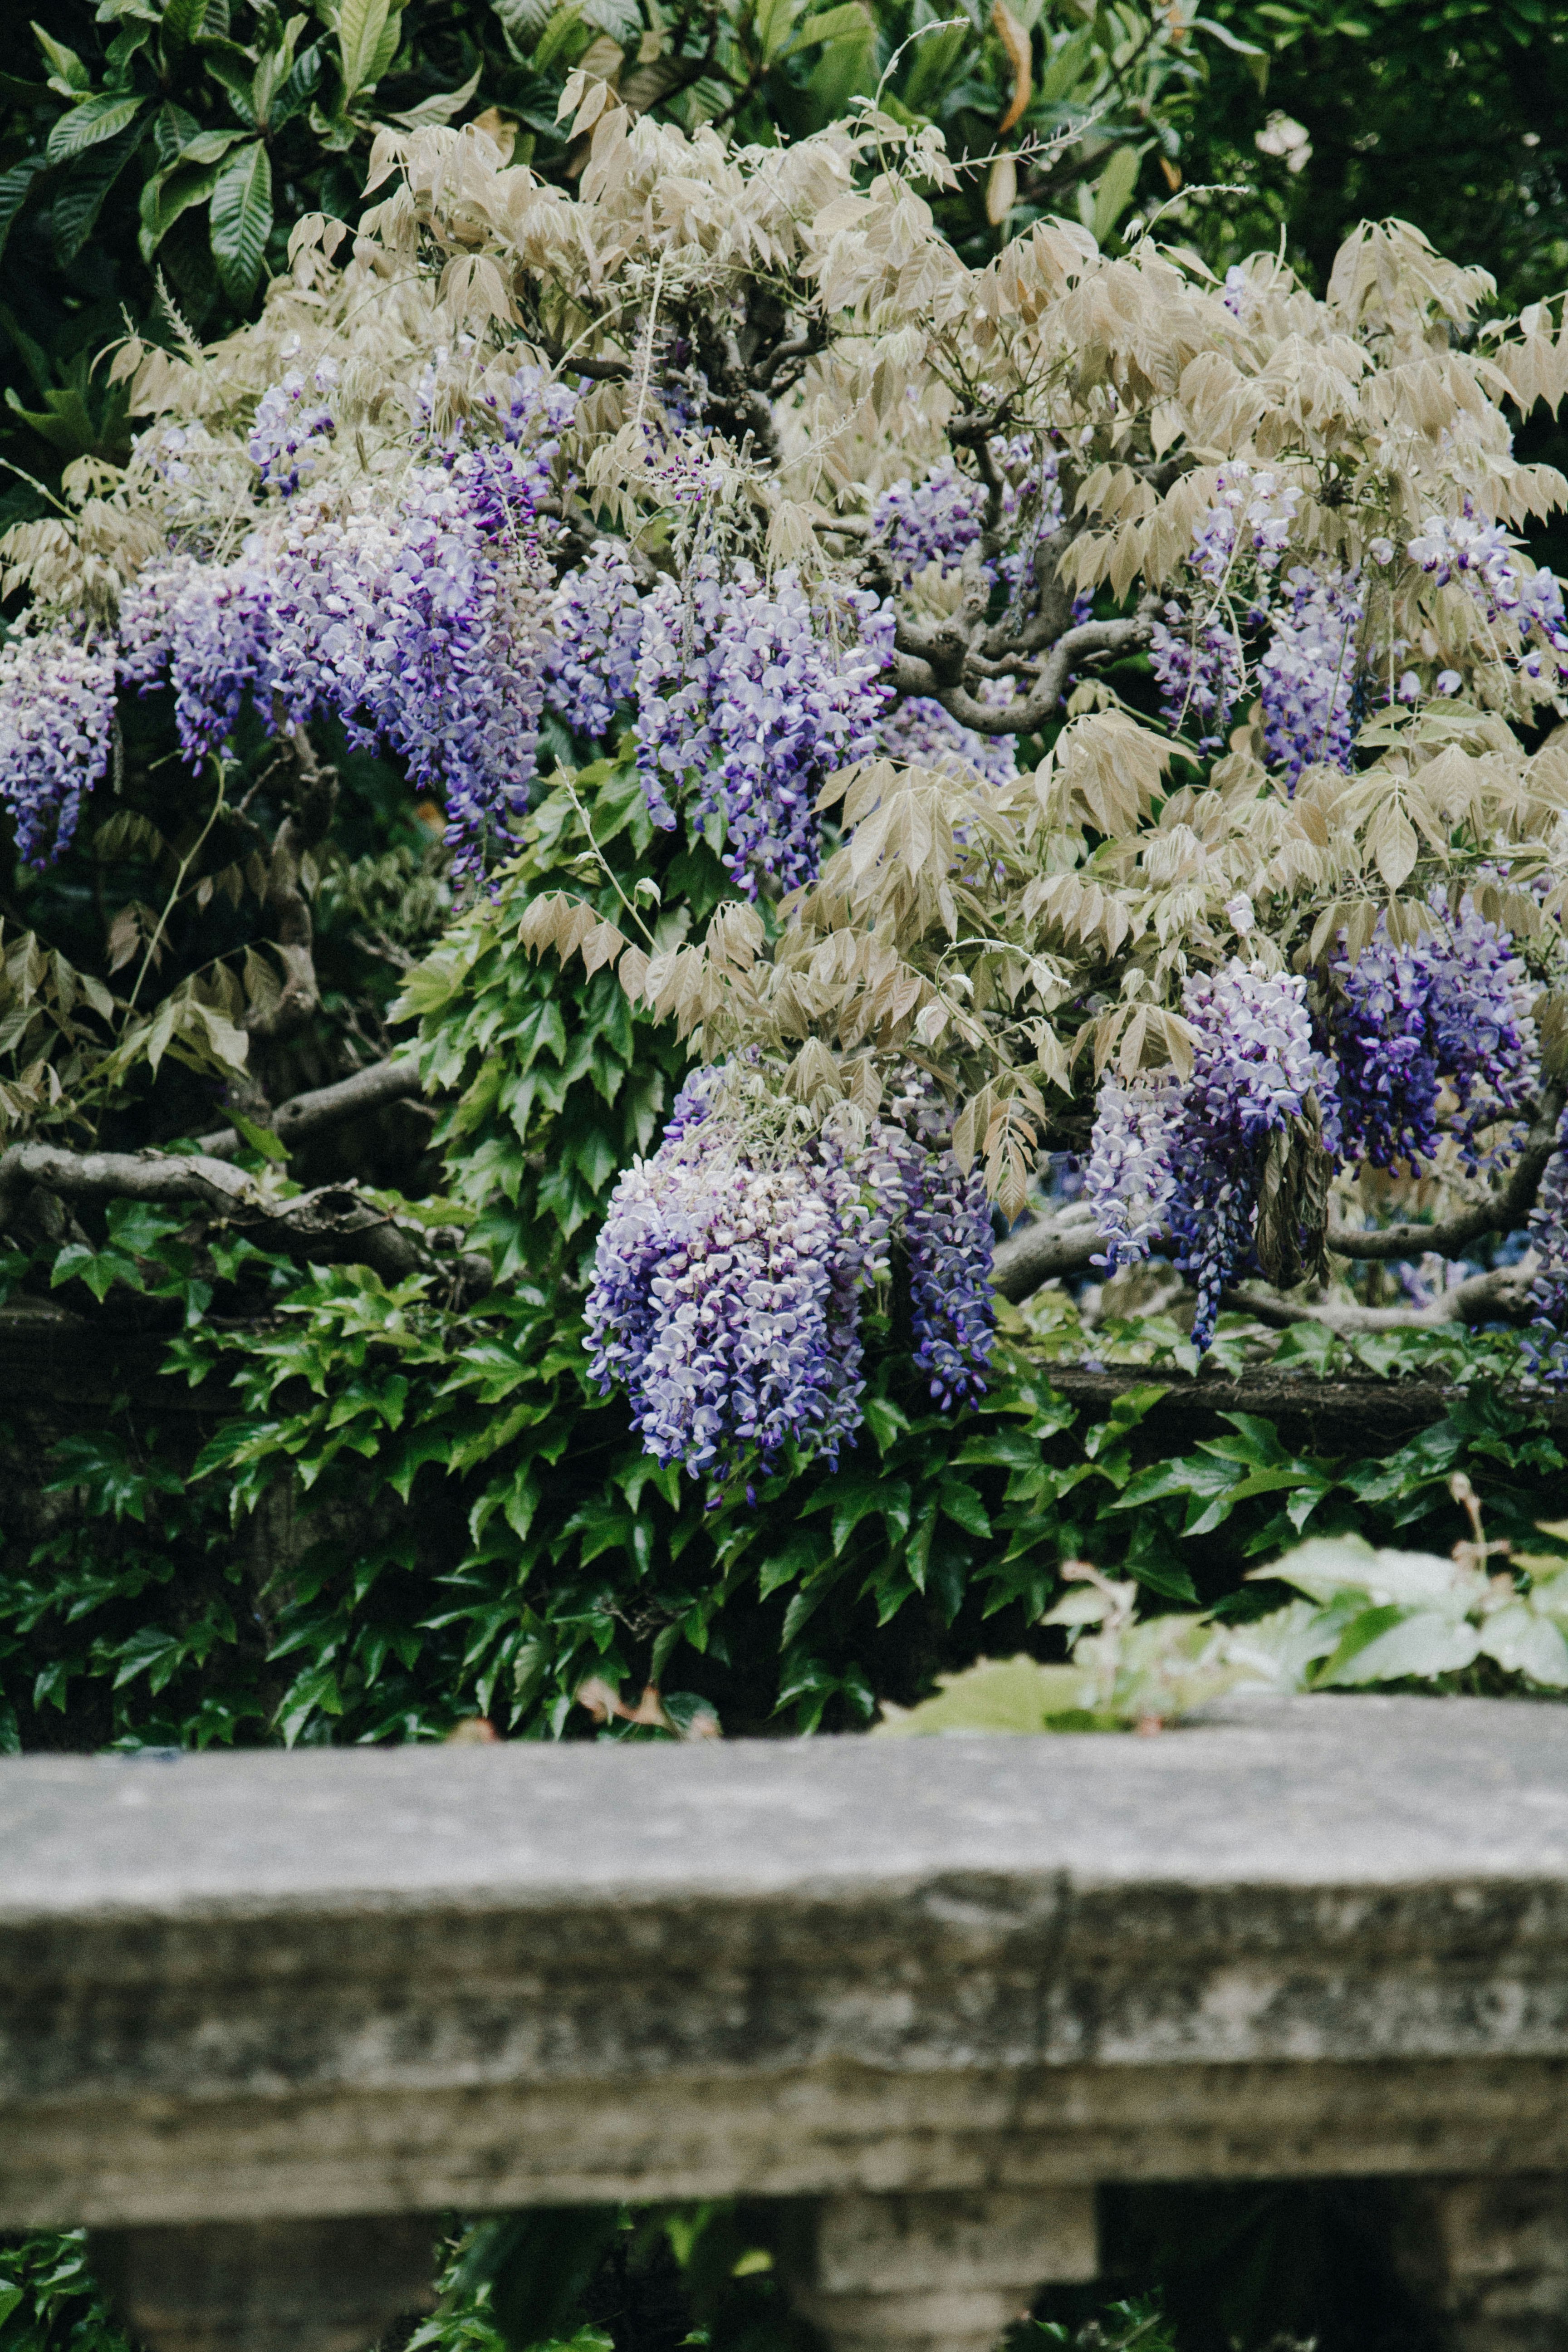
{"x": 733, "y": 1271}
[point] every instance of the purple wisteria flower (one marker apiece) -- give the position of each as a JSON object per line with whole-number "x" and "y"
{"x": 1199, "y": 669}
{"x": 1195, "y": 648}
{"x": 1188, "y": 1156}
{"x": 1451, "y": 1012}
{"x": 921, "y": 733}
{"x": 596, "y": 640}
{"x": 419, "y": 623}
{"x": 938, "y": 520}
{"x": 1482, "y": 558}
{"x": 56, "y": 729}
{"x": 730, "y": 1278}
{"x": 289, "y": 437}
{"x": 748, "y": 697}
{"x": 1546, "y": 1345}
{"x": 206, "y": 628}
{"x": 726, "y": 1300}
{"x": 1306, "y": 676}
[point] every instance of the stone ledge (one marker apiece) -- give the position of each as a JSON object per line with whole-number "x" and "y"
{"x": 1310, "y": 1936}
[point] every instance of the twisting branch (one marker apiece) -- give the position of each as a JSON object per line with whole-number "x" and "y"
{"x": 922, "y": 665}
{"x": 1503, "y": 1294}
{"x": 285, "y": 905}
{"x": 1040, "y": 1251}
{"x": 164, "y": 1177}
{"x": 336, "y": 1224}
{"x": 296, "y": 1120}
{"x": 1506, "y": 1211}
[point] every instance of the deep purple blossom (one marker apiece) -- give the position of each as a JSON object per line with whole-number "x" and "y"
{"x": 56, "y": 724}
{"x": 748, "y": 696}
{"x": 1451, "y": 1012}
{"x": 596, "y": 640}
{"x": 1188, "y": 1156}
{"x": 1306, "y": 676}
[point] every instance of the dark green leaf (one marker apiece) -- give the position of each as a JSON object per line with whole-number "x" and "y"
{"x": 242, "y": 219}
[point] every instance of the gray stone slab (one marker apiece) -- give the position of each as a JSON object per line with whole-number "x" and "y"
{"x": 1322, "y": 1934}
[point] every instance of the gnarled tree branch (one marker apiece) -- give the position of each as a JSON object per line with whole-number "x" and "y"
{"x": 1038, "y": 1251}
{"x": 296, "y": 1120}
{"x": 924, "y": 664}
{"x": 1506, "y": 1210}
{"x": 1503, "y": 1295}
{"x": 335, "y": 1224}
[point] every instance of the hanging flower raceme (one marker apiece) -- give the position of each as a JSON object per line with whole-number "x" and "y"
{"x": 748, "y": 697}
{"x": 731, "y": 1276}
{"x": 417, "y": 621}
{"x": 56, "y": 729}
{"x": 1197, "y": 647}
{"x": 1482, "y": 558}
{"x": 1189, "y": 1157}
{"x": 1450, "y": 1013}
{"x": 206, "y": 629}
{"x": 289, "y": 438}
{"x": 1546, "y": 1344}
{"x": 1201, "y": 672}
{"x": 923, "y": 734}
{"x": 936, "y": 521}
{"x": 596, "y": 640}
{"x": 726, "y": 1297}
{"x": 1306, "y": 676}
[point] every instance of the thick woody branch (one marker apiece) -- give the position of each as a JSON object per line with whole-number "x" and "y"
{"x": 305, "y": 1115}
{"x": 331, "y": 1226}
{"x": 1038, "y": 1253}
{"x": 1506, "y": 1211}
{"x": 285, "y": 908}
{"x": 1503, "y": 1295}
{"x": 163, "y": 1177}
{"x": 918, "y": 665}
{"x": 804, "y": 346}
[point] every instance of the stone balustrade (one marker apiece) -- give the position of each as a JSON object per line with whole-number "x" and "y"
{"x": 263, "y": 2016}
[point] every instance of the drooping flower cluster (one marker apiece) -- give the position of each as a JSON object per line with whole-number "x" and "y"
{"x": 540, "y": 412}
{"x": 1197, "y": 647}
{"x": 1448, "y": 1015}
{"x": 1188, "y": 1156}
{"x": 1485, "y": 561}
{"x": 415, "y": 622}
{"x": 919, "y": 732}
{"x": 596, "y": 640}
{"x": 289, "y": 439}
{"x": 937, "y": 520}
{"x": 1546, "y": 1345}
{"x": 57, "y": 728}
{"x": 207, "y": 629}
{"x": 1246, "y": 528}
{"x": 917, "y": 524}
{"x": 1129, "y": 1180}
{"x": 1199, "y": 669}
{"x": 748, "y": 696}
{"x": 726, "y": 1293}
{"x": 1307, "y": 675}
{"x": 730, "y": 1278}
{"x": 946, "y": 1231}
